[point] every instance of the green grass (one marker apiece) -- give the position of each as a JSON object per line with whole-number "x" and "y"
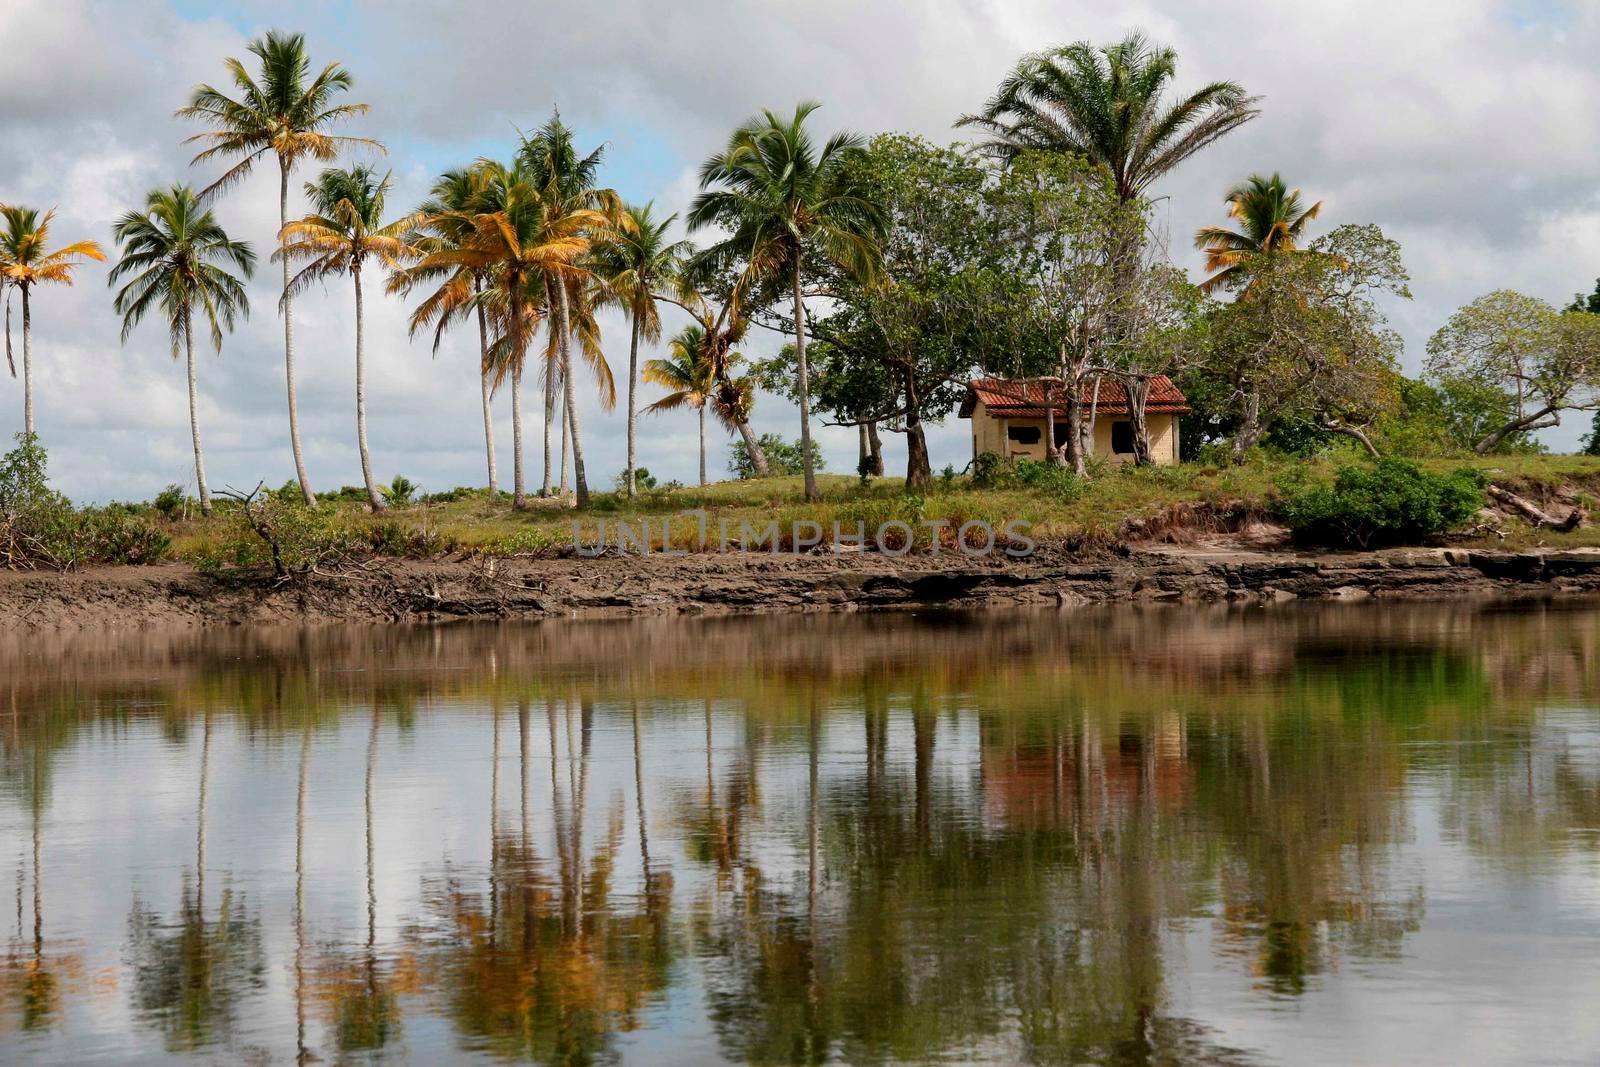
{"x": 1091, "y": 511}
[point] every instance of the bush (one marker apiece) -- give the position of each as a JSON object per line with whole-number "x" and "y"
{"x": 170, "y": 501}
{"x": 991, "y": 471}
{"x": 40, "y": 527}
{"x": 642, "y": 480}
{"x": 1392, "y": 501}
{"x": 400, "y": 492}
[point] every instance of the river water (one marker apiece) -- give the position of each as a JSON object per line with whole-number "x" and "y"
{"x": 1341, "y": 834}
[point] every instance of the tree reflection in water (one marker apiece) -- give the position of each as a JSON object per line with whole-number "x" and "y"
{"x": 861, "y": 840}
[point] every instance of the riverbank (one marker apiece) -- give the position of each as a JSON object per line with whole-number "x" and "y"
{"x": 398, "y": 590}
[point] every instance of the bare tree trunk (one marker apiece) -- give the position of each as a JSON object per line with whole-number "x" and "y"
{"x": 27, "y": 364}
{"x": 1052, "y": 451}
{"x": 483, "y": 379}
{"x": 1356, "y": 432}
{"x": 918, "y": 471}
{"x": 1250, "y": 426}
{"x": 702, "y": 443}
{"x": 862, "y": 467}
{"x": 1536, "y": 421}
{"x": 579, "y": 482}
{"x": 874, "y": 450}
{"x": 1074, "y": 400}
{"x": 288, "y": 342}
{"x": 194, "y": 421}
{"x": 519, "y": 495}
{"x": 373, "y": 496}
{"x": 1094, "y": 417}
{"x": 1138, "y": 387}
{"x": 805, "y": 383}
{"x": 752, "y": 448}
{"x": 633, "y": 411}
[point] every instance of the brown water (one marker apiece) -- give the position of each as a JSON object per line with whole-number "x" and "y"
{"x": 1363, "y": 834}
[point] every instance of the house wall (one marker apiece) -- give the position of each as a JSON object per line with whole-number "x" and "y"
{"x": 989, "y": 434}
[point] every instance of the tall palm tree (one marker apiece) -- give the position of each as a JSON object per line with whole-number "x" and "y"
{"x": 690, "y": 376}
{"x": 287, "y": 112}
{"x": 26, "y": 261}
{"x": 445, "y": 213}
{"x": 344, "y": 231}
{"x": 634, "y": 265}
{"x": 1271, "y": 218}
{"x": 1108, "y": 105}
{"x": 176, "y": 256}
{"x": 569, "y": 182}
{"x": 781, "y": 200}
{"x": 524, "y": 241}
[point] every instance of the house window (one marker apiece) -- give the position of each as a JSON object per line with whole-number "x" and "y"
{"x": 1122, "y": 438}
{"x": 1061, "y": 433}
{"x": 1023, "y": 435}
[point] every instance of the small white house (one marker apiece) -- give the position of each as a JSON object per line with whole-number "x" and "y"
{"x": 1008, "y": 417}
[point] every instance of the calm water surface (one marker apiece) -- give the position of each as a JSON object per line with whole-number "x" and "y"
{"x": 1363, "y": 834}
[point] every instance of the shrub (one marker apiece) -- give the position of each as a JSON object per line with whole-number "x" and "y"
{"x": 1389, "y": 502}
{"x": 40, "y": 527}
{"x": 642, "y": 479}
{"x": 991, "y": 471}
{"x": 170, "y": 501}
{"x": 399, "y": 492}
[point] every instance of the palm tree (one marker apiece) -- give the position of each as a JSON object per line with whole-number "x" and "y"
{"x": 522, "y": 240}
{"x": 690, "y": 376}
{"x": 633, "y": 265}
{"x": 284, "y": 113}
{"x": 1106, "y": 105}
{"x": 1271, "y": 219}
{"x": 346, "y": 229}
{"x": 569, "y": 185}
{"x": 455, "y": 195}
{"x": 26, "y": 262}
{"x": 175, "y": 256}
{"x": 781, "y": 200}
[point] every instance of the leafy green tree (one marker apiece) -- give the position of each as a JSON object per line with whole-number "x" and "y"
{"x": 900, "y": 344}
{"x": 782, "y": 457}
{"x": 288, "y": 112}
{"x": 27, "y": 261}
{"x": 784, "y": 205}
{"x": 1521, "y": 353}
{"x": 1591, "y": 440}
{"x": 1309, "y": 339}
{"x": 1108, "y": 105}
{"x": 175, "y": 258}
{"x": 343, "y": 232}
{"x": 1590, "y": 303}
{"x": 635, "y": 265}
{"x": 1271, "y": 218}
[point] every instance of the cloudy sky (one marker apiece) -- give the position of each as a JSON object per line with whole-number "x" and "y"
{"x": 1468, "y": 129}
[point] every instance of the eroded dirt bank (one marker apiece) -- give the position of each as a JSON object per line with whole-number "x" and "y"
{"x": 405, "y": 590}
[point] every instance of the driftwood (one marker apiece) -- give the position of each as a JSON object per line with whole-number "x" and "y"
{"x": 1534, "y": 513}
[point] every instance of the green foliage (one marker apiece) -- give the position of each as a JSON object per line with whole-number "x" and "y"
{"x": 782, "y": 457}
{"x": 1589, "y": 303}
{"x": 1591, "y": 440}
{"x": 40, "y": 527}
{"x": 170, "y": 501}
{"x": 991, "y": 471}
{"x": 1392, "y": 501}
{"x": 643, "y": 480}
{"x": 399, "y": 492}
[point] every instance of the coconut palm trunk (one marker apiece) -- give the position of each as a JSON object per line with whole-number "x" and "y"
{"x": 633, "y": 412}
{"x": 702, "y": 442}
{"x": 483, "y": 381}
{"x": 804, "y": 382}
{"x": 194, "y": 420}
{"x": 27, "y": 364}
{"x": 373, "y": 496}
{"x": 579, "y": 482}
{"x": 288, "y": 342}
{"x": 519, "y": 496}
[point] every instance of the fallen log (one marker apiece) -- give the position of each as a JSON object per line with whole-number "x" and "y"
{"x": 1535, "y": 514}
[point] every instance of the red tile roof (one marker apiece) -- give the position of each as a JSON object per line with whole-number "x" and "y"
{"x": 1026, "y": 399}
